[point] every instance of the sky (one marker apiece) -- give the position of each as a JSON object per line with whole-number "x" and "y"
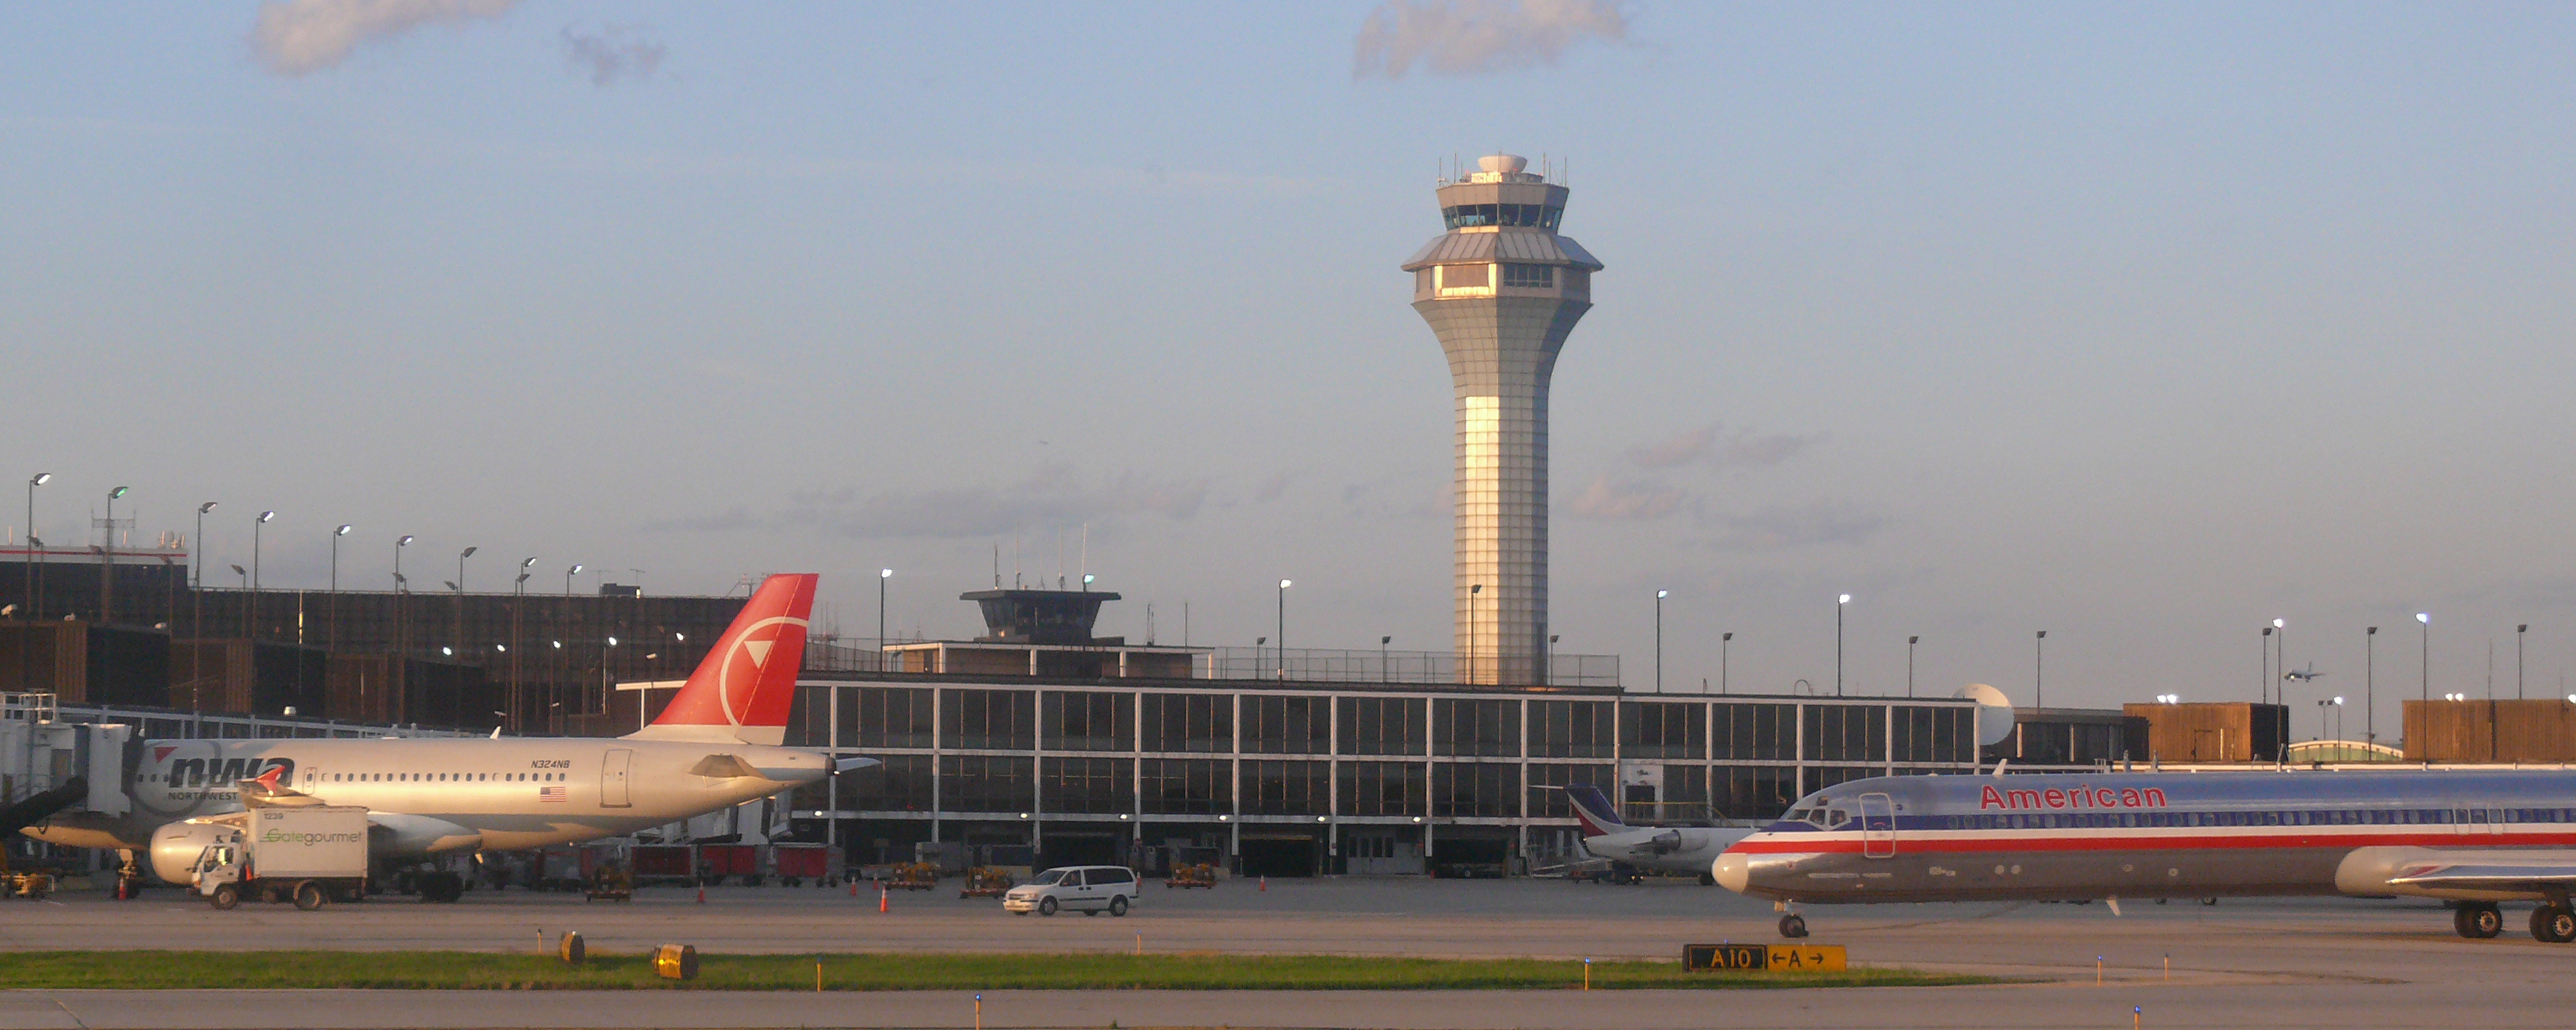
{"x": 2141, "y": 325}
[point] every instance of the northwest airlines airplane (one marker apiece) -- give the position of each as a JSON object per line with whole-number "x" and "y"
{"x": 2471, "y": 838}
{"x": 715, "y": 746}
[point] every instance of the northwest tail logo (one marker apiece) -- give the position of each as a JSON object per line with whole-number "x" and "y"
{"x": 743, "y": 689}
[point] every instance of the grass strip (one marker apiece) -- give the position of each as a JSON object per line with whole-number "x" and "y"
{"x": 900, "y": 971}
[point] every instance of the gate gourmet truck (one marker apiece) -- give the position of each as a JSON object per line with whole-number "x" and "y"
{"x": 308, "y": 853}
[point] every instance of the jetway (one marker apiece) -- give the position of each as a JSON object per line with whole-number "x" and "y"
{"x": 49, "y": 766}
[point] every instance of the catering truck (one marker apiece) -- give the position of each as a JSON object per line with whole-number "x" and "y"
{"x": 310, "y": 854}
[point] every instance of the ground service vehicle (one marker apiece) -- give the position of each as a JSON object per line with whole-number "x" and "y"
{"x": 307, "y": 853}
{"x": 1088, "y": 889}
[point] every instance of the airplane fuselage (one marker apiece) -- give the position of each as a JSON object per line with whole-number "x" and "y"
{"x": 2189, "y": 835}
{"x": 452, "y": 794}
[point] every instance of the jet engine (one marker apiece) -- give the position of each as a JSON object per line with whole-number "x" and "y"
{"x": 175, "y": 847}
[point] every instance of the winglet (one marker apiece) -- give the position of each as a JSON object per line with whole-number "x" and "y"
{"x": 742, "y": 691}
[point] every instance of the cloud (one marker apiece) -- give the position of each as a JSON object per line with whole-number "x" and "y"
{"x": 1470, "y": 37}
{"x": 1626, "y": 501}
{"x": 1051, "y": 496}
{"x": 727, "y": 521}
{"x": 612, "y": 53}
{"x": 1779, "y": 526}
{"x": 1712, "y": 443}
{"x": 299, "y": 37}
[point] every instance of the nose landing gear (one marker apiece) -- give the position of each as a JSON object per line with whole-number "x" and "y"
{"x": 1793, "y": 926}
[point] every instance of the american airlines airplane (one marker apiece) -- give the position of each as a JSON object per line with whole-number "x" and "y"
{"x": 715, "y": 746}
{"x": 2472, "y": 838}
{"x": 1674, "y": 850}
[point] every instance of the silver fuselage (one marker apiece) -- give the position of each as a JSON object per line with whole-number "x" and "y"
{"x": 2080, "y": 837}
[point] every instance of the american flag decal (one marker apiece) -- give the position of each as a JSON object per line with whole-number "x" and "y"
{"x": 552, "y": 794}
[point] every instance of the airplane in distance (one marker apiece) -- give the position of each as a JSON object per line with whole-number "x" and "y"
{"x": 2305, "y": 675}
{"x": 1670, "y": 850}
{"x": 715, "y": 746}
{"x": 2475, "y": 839}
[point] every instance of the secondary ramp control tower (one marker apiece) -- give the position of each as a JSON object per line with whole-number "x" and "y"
{"x": 1501, "y": 289}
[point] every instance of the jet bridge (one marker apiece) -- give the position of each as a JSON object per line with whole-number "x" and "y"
{"x": 49, "y": 766}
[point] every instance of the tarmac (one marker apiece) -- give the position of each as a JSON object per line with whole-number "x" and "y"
{"x": 2287, "y": 963}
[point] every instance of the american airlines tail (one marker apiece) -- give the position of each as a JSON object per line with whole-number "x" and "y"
{"x": 742, "y": 691}
{"x": 1593, "y": 809}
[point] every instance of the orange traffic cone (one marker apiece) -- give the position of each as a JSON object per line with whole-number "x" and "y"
{"x": 702, "y": 895}
{"x": 1265, "y": 883}
{"x": 882, "y": 894}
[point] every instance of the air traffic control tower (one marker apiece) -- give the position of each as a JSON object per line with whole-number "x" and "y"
{"x": 1502, "y": 290}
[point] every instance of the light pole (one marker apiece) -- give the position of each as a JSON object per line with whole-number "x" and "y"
{"x": 1722, "y": 640}
{"x": 1283, "y": 631}
{"x": 1839, "y": 605}
{"x": 2038, "y": 670}
{"x": 36, "y": 556}
{"x": 568, "y": 574}
{"x": 250, "y": 609}
{"x": 255, "y": 526}
{"x": 2263, "y": 674}
{"x": 1383, "y": 676}
{"x": 334, "y": 643}
{"x": 197, "y": 567}
{"x": 2370, "y": 685}
{"x": 2518, "y": 631}
{"x": 197, "y": 602}
{"x": 1659, "y": 640}
{"x": 1473, "y": 589}
{"x": 460, "y": 568}
{"x": 518, "y": 603}
{"x": 1909, "y": 664}
{"x": 883, "y": 576}
{"x": 2424, "y": 656}
{"x": 1547, "y": 663}
{"x": 107, "y": 562}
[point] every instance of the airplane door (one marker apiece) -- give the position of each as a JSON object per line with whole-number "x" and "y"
{"x": 1877, "y": 826}
{"x": 612, "y": 778}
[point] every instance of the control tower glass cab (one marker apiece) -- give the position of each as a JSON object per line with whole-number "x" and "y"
{"x": 1501, "y": 290}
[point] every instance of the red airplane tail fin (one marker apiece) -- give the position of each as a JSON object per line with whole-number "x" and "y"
{"x": 742, "y": 691}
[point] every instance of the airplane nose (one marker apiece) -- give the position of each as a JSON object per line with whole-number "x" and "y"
{"x": 1732, "y": 871}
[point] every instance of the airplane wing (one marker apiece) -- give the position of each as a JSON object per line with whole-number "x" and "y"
{"x": 2521, "y": 875}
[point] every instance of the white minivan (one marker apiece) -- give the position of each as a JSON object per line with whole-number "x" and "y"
{"x": 1088, "y": 889}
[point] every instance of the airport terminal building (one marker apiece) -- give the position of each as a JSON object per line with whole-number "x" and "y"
{"x": 1339, "y": 762}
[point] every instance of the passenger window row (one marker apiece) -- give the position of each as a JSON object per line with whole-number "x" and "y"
{"x": 446, "y": 777}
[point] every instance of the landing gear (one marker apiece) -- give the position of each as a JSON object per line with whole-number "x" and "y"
{"x": 2477, "y": 920}
{"x": 2553, "y": 924}
{"x": 442, "y": 888}
{"x": 1793, "y": 926}
{"x": 1707, "y": 880}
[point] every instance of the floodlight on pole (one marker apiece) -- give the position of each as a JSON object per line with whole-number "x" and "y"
{"x": 197, "y": 561}
{"x": 1841, "y": 603}
{"x": 568, "y": 574}
{"x": 1283, "y": 629}
{"x": 1659, "y": 639}
{"x": 33, "y": 544}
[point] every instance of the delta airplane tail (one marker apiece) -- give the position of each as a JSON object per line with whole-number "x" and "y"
{"x": 1593, "y": 809}
{"x": 742, "y": 691}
